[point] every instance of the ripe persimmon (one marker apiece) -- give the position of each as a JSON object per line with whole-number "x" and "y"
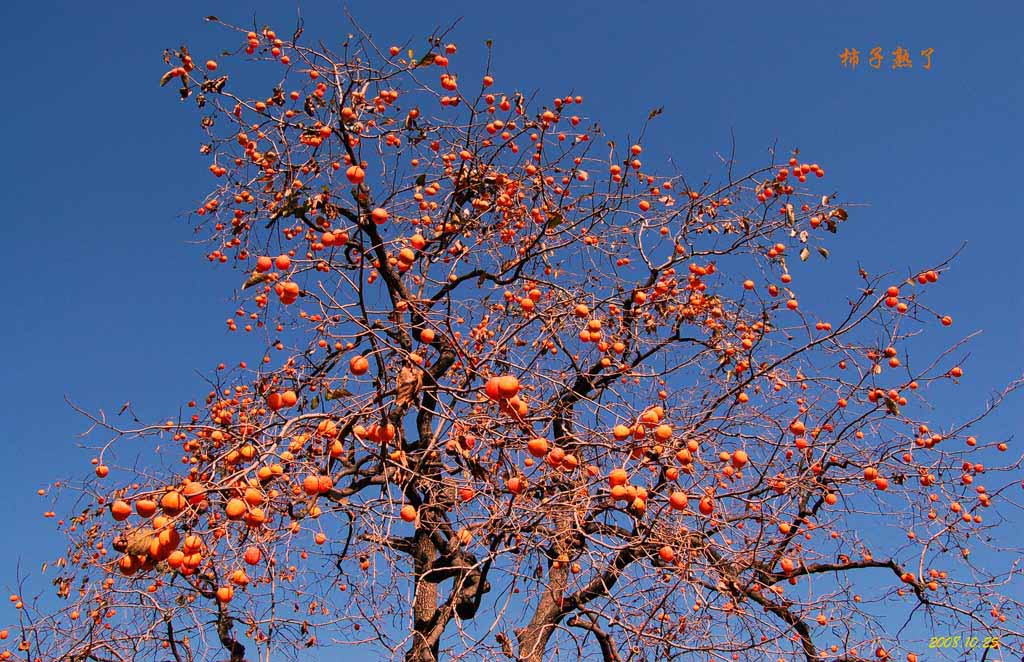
{"x": 235, "y": 508}
{"x": 379, "y": 216}
{"x": 252, "y": 555}
{"x": 355, "y": 174}
{"x": 120, "y": 510}
{"x": 538, "y": 446}
{"x": 507, "y": 386}
{"x": 678, "y": 500}
{"x": 358, "y": 365}
{"x": 145, "y": 507}
{"x": 172, "y": 502}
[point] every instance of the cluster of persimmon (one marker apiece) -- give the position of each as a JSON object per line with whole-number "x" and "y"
{"x": 504, "y": 390}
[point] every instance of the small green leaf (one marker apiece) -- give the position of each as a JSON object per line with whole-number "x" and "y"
{"x": 315, "y": 402}
{"x": 426, "y": 60}
{"x": 555, "y": 220}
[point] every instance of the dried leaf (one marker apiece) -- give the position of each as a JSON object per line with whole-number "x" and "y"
{"x": 166, "y": 78}
{"x": 336, "y": 393}
{"x": 654, "y": 113}
{"x": 214, "y": 85}
{"x": 410, "y": 379}
{"x": 823, "y": 252}
{"x": 555, "y": 220}
{"x": 841, "y": 214}
{"x": 426, "y": 60}
{"x": 804, "y": 254}
{"x": 255, "y": 279}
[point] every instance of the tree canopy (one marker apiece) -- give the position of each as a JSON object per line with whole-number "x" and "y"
{"x": 523, "y": 398}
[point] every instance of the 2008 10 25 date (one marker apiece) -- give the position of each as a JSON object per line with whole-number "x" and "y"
{"x": 959, "y": 641}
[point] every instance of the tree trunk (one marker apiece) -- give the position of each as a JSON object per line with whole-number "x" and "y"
{"x": 424, "y": 646}
{"x": 533, "y": 639}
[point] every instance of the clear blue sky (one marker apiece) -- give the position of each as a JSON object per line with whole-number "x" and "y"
{"x": 106, "y": 300}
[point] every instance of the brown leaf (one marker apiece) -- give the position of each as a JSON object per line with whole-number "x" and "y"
{"x": 410, "y": 380}
{"x": 255, "y": 279}
{"x": 214, "y": 85}
{"x": 336, "y": 393}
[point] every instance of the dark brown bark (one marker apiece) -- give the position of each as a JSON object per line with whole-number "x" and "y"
{"x": 533, "y": 639}
{"x": 424, "y": 646}
{"x": 227, "y": 639}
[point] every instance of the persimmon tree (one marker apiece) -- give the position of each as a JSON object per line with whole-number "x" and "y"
{"x": 523, "y": 398}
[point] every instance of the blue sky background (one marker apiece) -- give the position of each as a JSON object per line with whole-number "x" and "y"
{"x": 107, "y": 301}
